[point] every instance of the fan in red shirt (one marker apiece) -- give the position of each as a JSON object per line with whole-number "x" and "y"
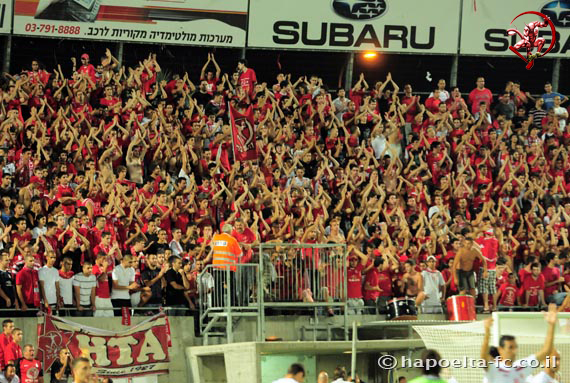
{"x": 65, "y": 194}
{"x": 13, "y": 350}
{"x": 551, "y": 274}
{"x": 533, "y": 287}
{"x": 507, "y": 293}
{"x": 372, "y": 289}
{"x": 87, "y": 68}
{"x": 247, "y": 78}
{"x": 28, "y": 369}
{"x": 480, "y": 94}
{"x": 5, "y": 338}
{"x": 28, "y": 285}
{"x": 354, "y": 272}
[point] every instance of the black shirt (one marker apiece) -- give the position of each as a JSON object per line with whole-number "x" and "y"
{"x": 149, "y": 274}
{"x": 174, "y": 296}
{"x": 55, "y": 367}
{"x": 7, "y": 285}
{"x": 75, "y": 256}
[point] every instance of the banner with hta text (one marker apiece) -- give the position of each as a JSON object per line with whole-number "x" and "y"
{"x": 136, "y": 351}
{"x": 189, "y": 22}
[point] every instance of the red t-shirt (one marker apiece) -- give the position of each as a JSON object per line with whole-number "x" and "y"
{"x": 372, "y": 278}
{"x": 385, "y": 283}
{"x": 102, "y": 288}
{"x": 5, "y": 340}
{"x": 550, "y": 274}
{"x": 508, "y": 294}
{"x": 534, "y": 286}
{"x": 247, "y": 81}
{"x": 354, "y": 285}
{"x": 12, "y": 352}
{"x": 29, "y": 370}
{"x": 479, "y": 95}
{"x": 28, "y": 279}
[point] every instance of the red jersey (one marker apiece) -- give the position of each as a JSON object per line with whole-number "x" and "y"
{"x": 102, "y": 288}
{"x": 12, "y": 352}
{"x": 29, "y": 370}
{"x": 534, "y": 286}
{"x": 247, "y": 81}
{"x": 29, "y": 280}
{"x": 508, "y": 294}
{"x": 354, "y": 285}
{"x": 372, "y": 278}
{"x": 479, "y": 95}
{"x": 550, "y": 274}
{"x": 5, "y": 341}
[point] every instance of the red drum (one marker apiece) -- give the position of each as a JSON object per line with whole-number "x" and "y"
{"x": 461, "y": 307}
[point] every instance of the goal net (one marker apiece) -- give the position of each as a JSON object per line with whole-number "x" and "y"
{"x": 461, "y": 342}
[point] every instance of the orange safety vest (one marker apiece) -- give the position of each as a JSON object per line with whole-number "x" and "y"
{"x": 226, "y": 251}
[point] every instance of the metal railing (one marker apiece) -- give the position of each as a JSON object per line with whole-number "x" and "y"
{"x": 303, "y": 277}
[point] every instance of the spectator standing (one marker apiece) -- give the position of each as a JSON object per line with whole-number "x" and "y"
{"x": 66, "y": 284}
{"x": 176, "y": 284}
{"x": 247, "y": 78}
{"x": 123, "y": 283}
{"x": 28, "y": 287}
{"x": 434, "y": 287}
{"x": 488, "y": 282}
{"x": 29, "y": 369}
{"x": 7, "y": 284}
{"x": 5, "y": 339}
{"x": 49, "y": 282}
{"x": 552, "y": 278}
{"x": 61, "y": 368}
{"x": 153, "y": 277}
{"x": 548, "y": 96}
{"x": 463, "y": 265}
{"x": 13, "y": 351}
{"x": 355, "y": 298}
{"x": 84, "y": 286}
{"x": 478, "y": 95}
{"x": 371, "y": 289}
{"x": 101, "y": 271}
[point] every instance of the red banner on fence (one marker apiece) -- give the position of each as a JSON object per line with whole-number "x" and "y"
{"x": 243, "y": 134}
{"x": 140, "y": 350}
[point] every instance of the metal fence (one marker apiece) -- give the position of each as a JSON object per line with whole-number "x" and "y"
{"x": 302, "y": 277}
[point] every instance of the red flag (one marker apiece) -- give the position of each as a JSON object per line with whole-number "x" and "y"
{"x": 243, "y": 134}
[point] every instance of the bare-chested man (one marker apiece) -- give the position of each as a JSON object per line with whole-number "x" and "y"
{"x": 463, "y": 265}
{"x": 413, "y": 282}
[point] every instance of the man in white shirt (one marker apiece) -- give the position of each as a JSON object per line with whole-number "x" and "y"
{"x": 561, "y": 113}
{"x": 175, "y": 244}
{"x": 508, "y": 369}
{"x": 123, "y": 283}
{"x": 9, "y": 374}
{"x": 66, "y": 285}
{"x": 550, "y": 373}
{"x": 84, "y": 285}
{"x": 434, "y": 287}
{"x": 49, "y": 282}
{"x": 295, "y": 374}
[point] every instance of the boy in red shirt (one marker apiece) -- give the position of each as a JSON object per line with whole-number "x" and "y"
{"x": 371, "y": 289}
{"x": 533, "y": 287}
{"x": 507, "y": 293}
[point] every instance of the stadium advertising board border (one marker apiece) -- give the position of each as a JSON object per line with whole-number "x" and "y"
{"x": 195, "y": 22}
{"x": 5, "y": 16}
{"x": 356, "y": 25}
{"x": 484, "y": 27}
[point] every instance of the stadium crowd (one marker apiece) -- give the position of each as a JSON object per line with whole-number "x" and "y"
{"x": 114, "y": 181}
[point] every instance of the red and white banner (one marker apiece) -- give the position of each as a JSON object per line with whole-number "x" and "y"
{"x": 139, "y": 350}
{"x": 243, "y": 134}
